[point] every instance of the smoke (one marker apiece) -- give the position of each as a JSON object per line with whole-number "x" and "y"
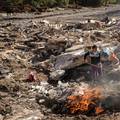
{"x": 110, "y": 82}
{"x": 110, "y": 89}
{"x": 111, "y": 94}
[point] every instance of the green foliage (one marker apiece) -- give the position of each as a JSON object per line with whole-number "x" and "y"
{"x": 60, "y": 2}
{"x": 91, "y": 2}
{"x": 15, "y": 2}
{"x": 38, "y": 3}
{"x": 56, "y": 3}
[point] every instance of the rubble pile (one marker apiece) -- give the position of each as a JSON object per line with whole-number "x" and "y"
{"x": 46, "y": 55}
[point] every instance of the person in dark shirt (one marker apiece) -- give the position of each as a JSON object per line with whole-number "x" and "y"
{"x": 93, "y": 58}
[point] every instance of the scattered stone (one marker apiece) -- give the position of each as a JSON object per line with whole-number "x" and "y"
{"x": 55, "y": 51}
{"x": 57, "y": 74}
{"x": 36, "y": 115}
{"x": 1, "y": 117}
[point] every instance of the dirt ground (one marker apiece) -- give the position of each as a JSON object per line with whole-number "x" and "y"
{"x": 66, "y": 15}
{"x": 20, "y": 41}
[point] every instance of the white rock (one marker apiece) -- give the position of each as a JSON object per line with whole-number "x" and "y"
{"x": 92, "y": 21}
{"x": 44, "y": 83}
{"x": 46, "y": 21}
{"x": 57, "y": 74}
{"x": 60, "y": 84}
{"x": 41, "y": 100}
{"x": 1, "y": 117}
{"x": 36, "y": 115}
{"x": 81, "y": 40}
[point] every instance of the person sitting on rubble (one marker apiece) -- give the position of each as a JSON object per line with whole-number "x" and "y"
{"x": 32, "y": 75}
{"x": 93, "y": 58}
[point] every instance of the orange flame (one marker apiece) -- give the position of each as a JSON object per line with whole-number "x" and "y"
{"x": 99, "y": 110}
{"x": 85, "y": 102}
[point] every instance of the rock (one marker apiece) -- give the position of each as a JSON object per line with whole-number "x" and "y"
{"x": 57, "y": 74}
{"x": 4, "y": 88}
{"x": 42, "y": 77}
{"x": 62, "y": 85}
{"x": 28, "y": 115}
{"x": 81, "y": 40}
{"x": 52, "y": 94}
{"x": 69, "y": 60}
{"x": 22, "y": 47}
{"x": 74, "y": 48}
{"x": 1, "y": 117}
{"x": 56, "y": 52}
{"x": 5, "y": 108}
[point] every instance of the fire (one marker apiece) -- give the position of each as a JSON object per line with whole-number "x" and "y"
{"x": 84, "y": 103}
{"x": 99, "y": 110}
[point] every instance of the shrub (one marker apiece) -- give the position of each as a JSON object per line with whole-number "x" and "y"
{"x": 14, "y": 2}
{"x": 8, "y": 4}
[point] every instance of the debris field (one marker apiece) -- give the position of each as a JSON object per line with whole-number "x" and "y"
{"x": 52, "y": 54}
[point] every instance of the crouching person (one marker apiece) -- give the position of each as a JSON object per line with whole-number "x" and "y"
{"x": 32, "y": 75}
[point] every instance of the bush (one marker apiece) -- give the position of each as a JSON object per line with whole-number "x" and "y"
{"x": 93, "y": 2}
{"x": 44, "y": 3}
{"x": 40, "y": 4}
{"x": 14, "y": 2}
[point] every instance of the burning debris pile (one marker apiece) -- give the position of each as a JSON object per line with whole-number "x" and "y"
{"x": 86, "y": 103}
{"x": 43, "y": 58}
{"x": 80, "y": 99}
